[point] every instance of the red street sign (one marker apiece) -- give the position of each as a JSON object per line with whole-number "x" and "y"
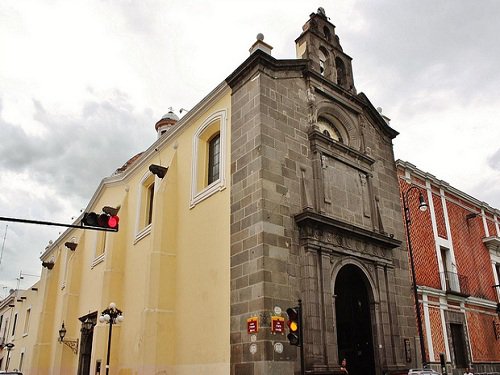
{"x": 277, "y": 324}
{"x": 253, "y": 324}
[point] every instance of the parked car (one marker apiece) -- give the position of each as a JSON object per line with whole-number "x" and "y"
{"x": 425, "y": 371}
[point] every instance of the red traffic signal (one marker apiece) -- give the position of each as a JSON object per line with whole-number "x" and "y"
{"x": 105, "y": 221}
{"x": 294, "y": 321}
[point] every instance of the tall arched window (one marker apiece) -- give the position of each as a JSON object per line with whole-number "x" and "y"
{"x": 145, "y": 205}
{"x": 209, "y": 157}
{"x": 341, "y": 73}
{"x": 213, "y": 158}
{"x": 328, "y": 35}
{"x": 323, "y": 57}
{"x": 149, "y": 203}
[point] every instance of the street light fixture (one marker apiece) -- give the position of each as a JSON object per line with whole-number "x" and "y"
{"x": 73, "y": 344}
{"x": 110, "y": 316}
{"x": 87, "y": 325}
{"x": 422, "y": 207}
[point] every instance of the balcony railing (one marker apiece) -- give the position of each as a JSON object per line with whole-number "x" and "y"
{"x": 456, "y": 283}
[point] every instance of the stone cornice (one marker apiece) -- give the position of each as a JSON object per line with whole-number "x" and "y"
{"x": 309, "y": 218}
{"x": 8, "y": 300}
{"x": 265, "y": 60}
{"x": 260, "y": 58}
{"x": 446, "y": 186}
{"x": 492, "y": 243}
{"x": 377, "y": 117}
{"x": 356, "y": 159}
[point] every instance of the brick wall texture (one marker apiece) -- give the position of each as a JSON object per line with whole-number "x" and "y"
{"x": 470, "y": 260}
{"x": 437, "y": 333}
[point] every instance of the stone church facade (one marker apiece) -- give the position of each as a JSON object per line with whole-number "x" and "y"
{"x": 316, "y": 216}
{"x": 293, "y": 195}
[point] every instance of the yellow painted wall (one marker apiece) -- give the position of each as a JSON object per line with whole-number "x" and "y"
{"x": 172, "y": 283}
{"x": 25, "y": 330}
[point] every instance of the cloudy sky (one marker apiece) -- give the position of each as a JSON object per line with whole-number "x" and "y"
{"x": 82, "y": 83}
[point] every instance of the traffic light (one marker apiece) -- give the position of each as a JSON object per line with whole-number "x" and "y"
{"x": 294, "y": 328}
{"x": 104, "y": 220}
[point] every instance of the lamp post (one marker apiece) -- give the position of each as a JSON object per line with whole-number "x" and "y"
{"x": 9, "y": 347}
{"x": 111, "y": 316}
{"x": 423, "y": 207}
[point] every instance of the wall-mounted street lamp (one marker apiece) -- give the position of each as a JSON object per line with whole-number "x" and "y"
{"x": 73, "y": 344}
{"x": 87, "y": 325}
{"x": 111, "y": 316}
{"x": 423, "y": 207}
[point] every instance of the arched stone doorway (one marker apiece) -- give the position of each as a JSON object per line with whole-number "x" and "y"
{"x": 354, "y": 321}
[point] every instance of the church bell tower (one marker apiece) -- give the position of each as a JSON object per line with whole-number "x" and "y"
{"x": 321, "y": 46}
{"x": 315, "y": 217}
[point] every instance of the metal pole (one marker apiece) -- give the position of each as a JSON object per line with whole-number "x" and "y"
{"x": 40, "y": 222}
{"x": 111, "y": 315}
{"x": 109, "y": 345}
{"x": 414, "y": 278}
{"x": 301, "y": 334}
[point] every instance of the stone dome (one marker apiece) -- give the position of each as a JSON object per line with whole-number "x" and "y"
{"x": 169, "y": 119}
{"x": 170, "y": 116}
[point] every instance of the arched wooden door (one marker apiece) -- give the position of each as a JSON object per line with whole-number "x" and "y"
{"x": 354, "y": 325}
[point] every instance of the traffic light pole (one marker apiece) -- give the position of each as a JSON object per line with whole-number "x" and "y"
{"x": 39, "y": 222}
{"x": 301, "y": 333}
{"x": 296, "y": 331}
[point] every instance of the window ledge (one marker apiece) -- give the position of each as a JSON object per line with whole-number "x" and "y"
{"x": 98, "y": 260}
{"x": 492, "y": 243}
{"x": 143, "y": 233}
{"x": 211, "y": 189}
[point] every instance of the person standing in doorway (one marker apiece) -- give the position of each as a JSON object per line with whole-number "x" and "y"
{"x": 468, "y": 371}
{"x": 343, "y": 366}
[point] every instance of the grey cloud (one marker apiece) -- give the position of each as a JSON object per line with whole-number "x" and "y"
{"x": 466, "y": 44}
{"x": 77, "y": 152}
{"x": 68, "y": 163}
{"x": 494, "y": 161}
{"x": 488, "y": 190}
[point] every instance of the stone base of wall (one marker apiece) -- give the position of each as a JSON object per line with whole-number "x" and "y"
{"x": 485, "y": 369}
{"x": 325, "y": 372}
{"x": 396, "y": 371}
